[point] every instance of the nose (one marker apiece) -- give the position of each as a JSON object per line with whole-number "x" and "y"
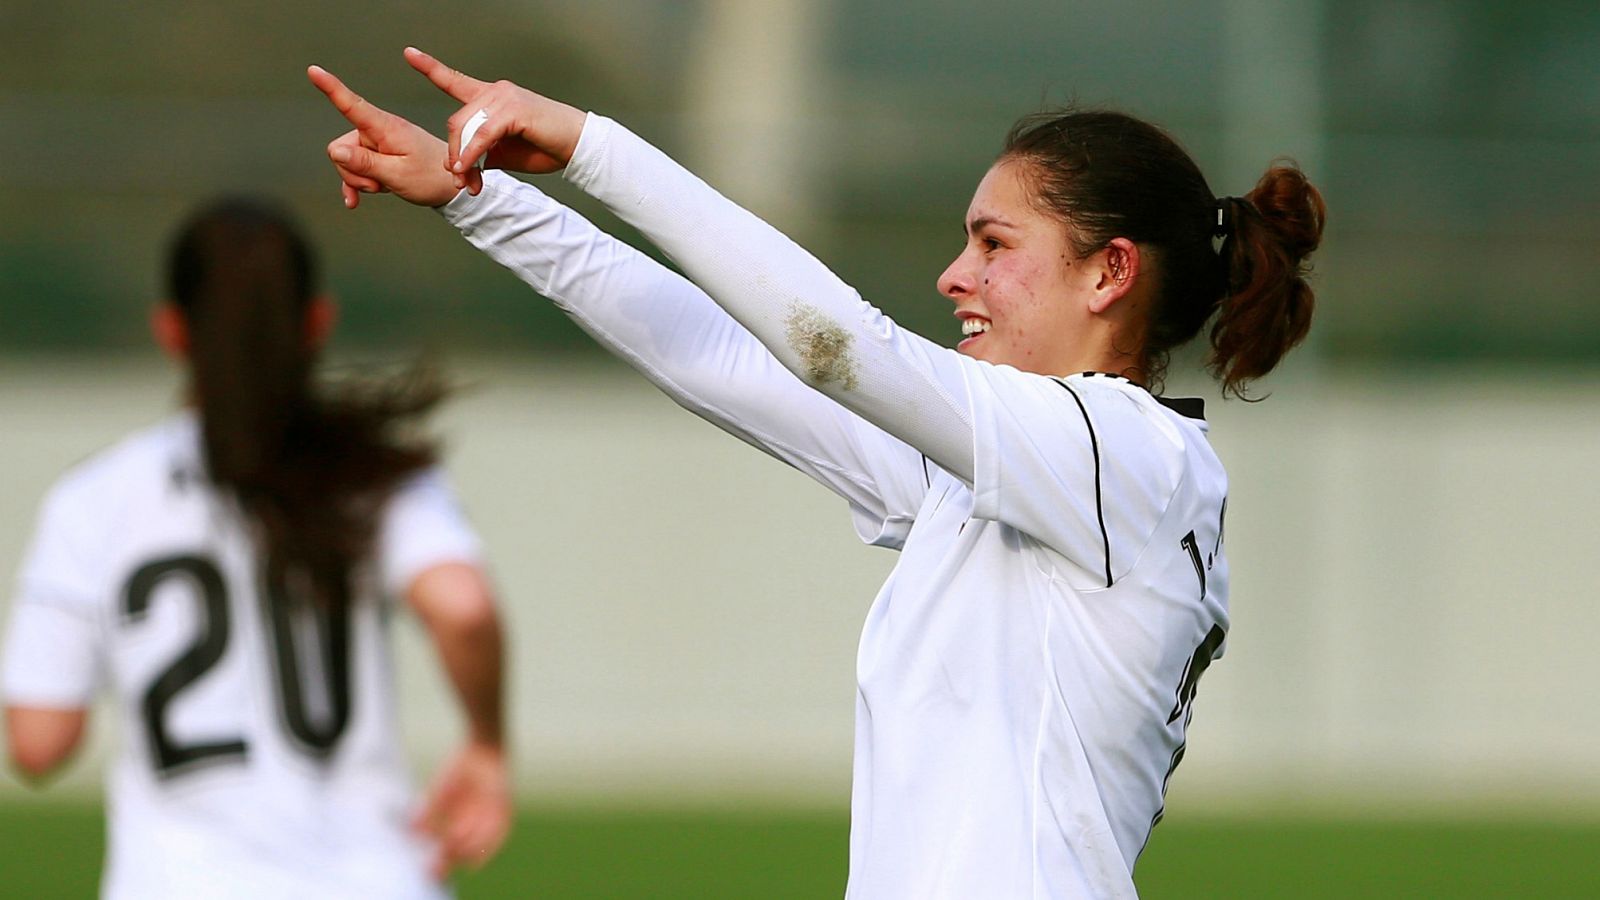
{"x": 958, "y": 280}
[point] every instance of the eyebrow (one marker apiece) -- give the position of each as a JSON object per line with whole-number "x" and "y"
{"x": 983, "y": 222}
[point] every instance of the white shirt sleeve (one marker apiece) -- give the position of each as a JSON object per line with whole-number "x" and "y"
{"x": 684, "y": 343}
{"x": 1020, "y": 440}
{"x": 812, "y": 322}
{"x": 423, "y": 526}
{"x": 55, "y": 640}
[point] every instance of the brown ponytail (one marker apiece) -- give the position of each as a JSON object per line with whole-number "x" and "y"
{"x": 1266, "y": 307}
{"x": 312, "y": 469}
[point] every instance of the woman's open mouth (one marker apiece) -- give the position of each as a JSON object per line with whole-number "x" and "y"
{"x": 973, "y": 328}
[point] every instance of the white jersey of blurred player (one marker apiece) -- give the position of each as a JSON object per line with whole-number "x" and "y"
{"x": 258, "y": 753}
{"x": 1025, "y": 674}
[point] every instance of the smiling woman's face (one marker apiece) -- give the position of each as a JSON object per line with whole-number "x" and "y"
{"x": 1020, "y": 292}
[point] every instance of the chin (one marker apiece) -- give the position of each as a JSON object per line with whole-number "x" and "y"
{"x": 973, "y": 349}
{"x": 988, "y": 357}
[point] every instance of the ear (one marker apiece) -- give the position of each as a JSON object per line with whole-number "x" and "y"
{"x": 170, "y": 329}
{"x": 1117, "y": 268}
{"x": 322, "y": 313}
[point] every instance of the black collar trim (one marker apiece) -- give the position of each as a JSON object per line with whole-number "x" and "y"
{"x": 1188, "y": 407}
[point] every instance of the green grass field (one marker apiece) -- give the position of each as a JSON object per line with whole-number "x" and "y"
{"x": 50, "y": 851}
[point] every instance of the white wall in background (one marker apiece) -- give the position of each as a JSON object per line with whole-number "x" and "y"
{"x": 1415, "y": 602}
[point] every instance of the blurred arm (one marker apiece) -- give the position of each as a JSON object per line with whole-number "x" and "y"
{"x": 40, "y": 740}
{"x": 468, "y": 807}
{"x": 456, "y": 606}
{"x": 53, "y": 642}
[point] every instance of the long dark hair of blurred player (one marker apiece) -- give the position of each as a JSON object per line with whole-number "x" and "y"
{"x": 227, "y": 571}
{"x": 308, "y": 468}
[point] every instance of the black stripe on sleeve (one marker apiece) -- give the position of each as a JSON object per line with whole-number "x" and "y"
{"x": 1099, "y": 505}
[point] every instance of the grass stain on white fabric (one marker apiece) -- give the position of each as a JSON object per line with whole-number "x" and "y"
{"x": 823, "y": 345}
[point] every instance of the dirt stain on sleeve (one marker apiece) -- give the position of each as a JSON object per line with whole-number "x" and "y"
{"x": 823, "y": 345}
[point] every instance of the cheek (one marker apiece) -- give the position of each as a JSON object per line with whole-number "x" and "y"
{"x": 1018, "y": 285}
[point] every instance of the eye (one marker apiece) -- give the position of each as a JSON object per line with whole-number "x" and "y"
{"x": 990, "y": 243}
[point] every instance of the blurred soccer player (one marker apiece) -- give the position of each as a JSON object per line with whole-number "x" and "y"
{"x": 227, "y": 574}
{"x": 1026, "y": 674}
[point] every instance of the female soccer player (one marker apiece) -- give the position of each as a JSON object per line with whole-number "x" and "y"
{"x": 1025, "y": 674}
{"x": 227, "y": 573}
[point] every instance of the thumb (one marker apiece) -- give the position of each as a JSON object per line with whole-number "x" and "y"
{"x": 357, "y": 159}
{"x": 365, "y": 169}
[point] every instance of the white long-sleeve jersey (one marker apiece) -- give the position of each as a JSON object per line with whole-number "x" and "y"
{"x": 259, "y": 754}
{"x": 1025, "y": 674}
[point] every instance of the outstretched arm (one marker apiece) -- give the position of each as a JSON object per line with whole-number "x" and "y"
{"x": 653, "y": 318}
{"x": 808, "y": 319}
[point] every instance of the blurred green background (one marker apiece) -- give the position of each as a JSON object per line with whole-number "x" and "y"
{"x": 1404, "y": 709}
{"x": 1455, "y": 141}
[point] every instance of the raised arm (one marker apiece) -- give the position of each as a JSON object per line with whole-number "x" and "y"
{"x": 1039, "y": 453}
{"x": 810, "y": 321}
{"x": 653, "y": 318}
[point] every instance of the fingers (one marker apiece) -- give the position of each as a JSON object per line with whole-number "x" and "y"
{"x": 352, "y": 163}
{"x": 442, "y": 862}
{"x": 385, "y": 152}
{"x": 471, "y": 838}
{"x": 458, "y": 85}
{"x": 357, "y": 111}
{"x": 471, "y": 180}
{"x": 352, "y": 170}
{"x": 461, "y": 836}
{"x": 353, "y": 185}
{"x": 361, "y": 168}
{"x": 476, "y": 131}
{"x": 467, "y": 813}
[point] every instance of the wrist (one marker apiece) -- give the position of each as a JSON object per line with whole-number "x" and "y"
{"x": 573, "y": 120}
{"x": 461, "y": 205}
{"x": 487, "y": 742}
{"x": 587, "y": 151}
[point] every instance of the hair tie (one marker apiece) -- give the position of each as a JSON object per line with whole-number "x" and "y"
{"x": 1222, "y": 225}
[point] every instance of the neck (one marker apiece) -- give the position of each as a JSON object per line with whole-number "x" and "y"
{"x": 1101, "y": 351}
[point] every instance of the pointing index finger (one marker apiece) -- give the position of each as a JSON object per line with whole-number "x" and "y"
{"x": 459, "y": 85}
{"x": 352, "y": 106}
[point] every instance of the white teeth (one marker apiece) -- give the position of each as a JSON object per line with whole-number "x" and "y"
{"x": 974, "y": 326}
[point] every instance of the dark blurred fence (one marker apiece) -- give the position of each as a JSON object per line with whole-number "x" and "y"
{"x": 1458, "y": 144}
